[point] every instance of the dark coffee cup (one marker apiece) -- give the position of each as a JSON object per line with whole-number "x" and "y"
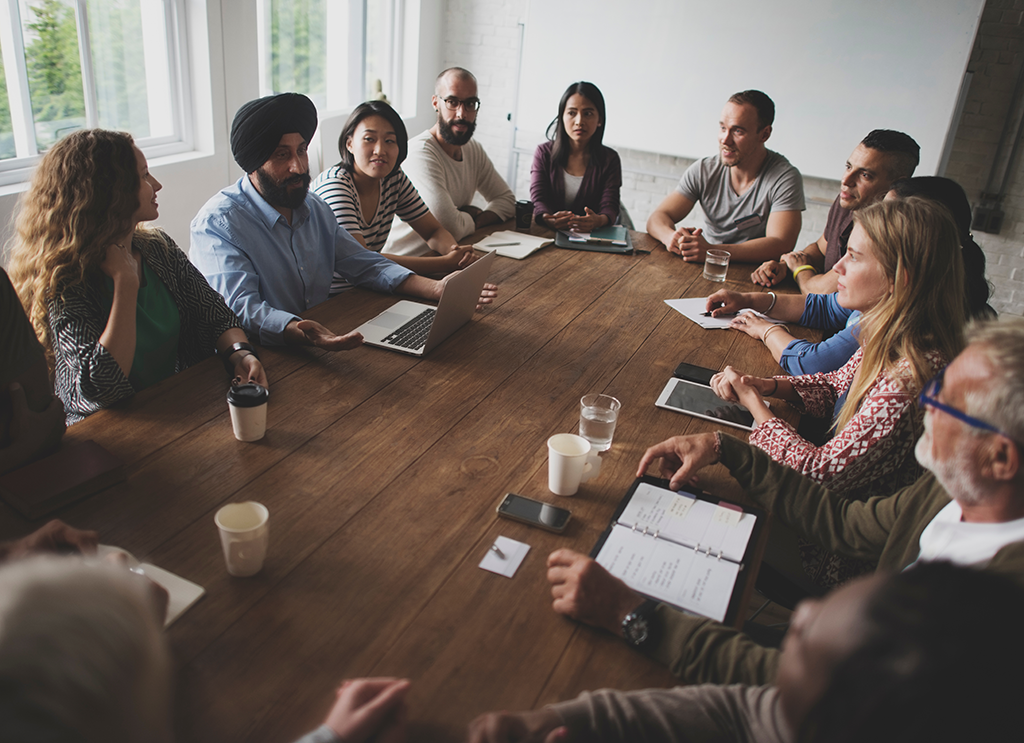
{"x": 524, "y": 215}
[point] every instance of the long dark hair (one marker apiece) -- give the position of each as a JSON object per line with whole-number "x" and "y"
{"x": 556, "y": 130}
{"x": 939, "y": 661}
{"x": 364, "y": 111}
{"x": 950, "y": 194}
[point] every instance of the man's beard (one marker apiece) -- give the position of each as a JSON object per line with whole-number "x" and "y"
{"x": 955, "y": 475}
{"x": 451, "y": 137}
{"x": 279, "y": 194}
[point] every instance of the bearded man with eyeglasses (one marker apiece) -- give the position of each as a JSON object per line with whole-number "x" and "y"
{"x": 448, "y": 168}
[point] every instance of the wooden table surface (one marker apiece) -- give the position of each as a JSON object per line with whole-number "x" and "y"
{"x": 381, "y": 473}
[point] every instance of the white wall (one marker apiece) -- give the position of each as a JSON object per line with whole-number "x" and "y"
{"x": 483, "y": 36}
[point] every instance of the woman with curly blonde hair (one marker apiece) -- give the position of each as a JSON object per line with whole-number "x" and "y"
{"x": 119, "y": 306}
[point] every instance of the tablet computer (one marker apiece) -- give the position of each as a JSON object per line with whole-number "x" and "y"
{"x": 700, "y": 401}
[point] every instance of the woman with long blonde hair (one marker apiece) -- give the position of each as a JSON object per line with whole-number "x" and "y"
{"x": 904, "y": 272}
{"x": 119, "y": 306}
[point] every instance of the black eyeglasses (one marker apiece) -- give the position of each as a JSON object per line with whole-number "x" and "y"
{"x": 470, "y": 104}
{"x": 931, "y": 391}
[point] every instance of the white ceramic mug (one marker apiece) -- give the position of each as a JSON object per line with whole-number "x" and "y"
{"x": 571, "y": 461}
{"x": 244, "y": 535}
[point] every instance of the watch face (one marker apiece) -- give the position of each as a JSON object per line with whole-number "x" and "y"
{"x": 635, "y": 629}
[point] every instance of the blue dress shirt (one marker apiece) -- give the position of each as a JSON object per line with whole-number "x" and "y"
{"x": 269, "y": 271}
{"x": 822, "y": 311}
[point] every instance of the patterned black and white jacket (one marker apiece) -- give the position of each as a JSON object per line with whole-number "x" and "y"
{"x": 87, "y": 378}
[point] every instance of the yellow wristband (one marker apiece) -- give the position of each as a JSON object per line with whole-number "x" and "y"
{"x": 805, "y": 267}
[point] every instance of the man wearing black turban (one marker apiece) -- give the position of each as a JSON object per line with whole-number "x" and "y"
{"x": 271, "y": 248}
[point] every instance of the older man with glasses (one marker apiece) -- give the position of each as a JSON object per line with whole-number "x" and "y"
{"x": 968, "y": 509}
{"x": 448, "y": 168}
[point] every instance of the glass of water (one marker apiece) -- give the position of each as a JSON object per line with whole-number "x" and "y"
{"x": 716, "y": 265}
{"x": 598, "y": 414}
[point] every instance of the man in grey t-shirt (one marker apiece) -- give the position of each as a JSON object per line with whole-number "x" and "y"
{"x": 751, "y": 197}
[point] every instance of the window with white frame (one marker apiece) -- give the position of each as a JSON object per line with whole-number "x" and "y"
{"x": 74, "y": 64}
{"x": 338, "y": 52}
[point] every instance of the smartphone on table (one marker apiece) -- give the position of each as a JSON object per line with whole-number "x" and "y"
{"x": 695, "y": 374}
{"x": 534, "y": 512}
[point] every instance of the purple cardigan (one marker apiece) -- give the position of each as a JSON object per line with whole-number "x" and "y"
{"x": 599, "y": 189}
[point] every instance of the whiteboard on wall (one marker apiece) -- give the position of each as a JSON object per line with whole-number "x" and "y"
{"x": 836, "y": 70}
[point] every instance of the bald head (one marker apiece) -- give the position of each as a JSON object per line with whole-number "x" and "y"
{"x": 452, "y": 74}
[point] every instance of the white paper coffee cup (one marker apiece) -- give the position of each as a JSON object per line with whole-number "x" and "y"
{"x": 248, "y": 406}
{"x": 244, "y": 536}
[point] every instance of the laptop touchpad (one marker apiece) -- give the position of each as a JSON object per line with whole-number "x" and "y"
{"x": 390, "y": 319}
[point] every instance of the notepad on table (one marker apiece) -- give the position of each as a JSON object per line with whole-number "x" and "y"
{"x": 510, "y": 244}
{"x": 687, "y": 550}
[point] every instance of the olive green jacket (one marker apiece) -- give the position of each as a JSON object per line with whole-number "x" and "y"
{"x": 886, "y": 529}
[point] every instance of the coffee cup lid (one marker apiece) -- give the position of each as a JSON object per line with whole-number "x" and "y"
{"x": 248, "y": 395}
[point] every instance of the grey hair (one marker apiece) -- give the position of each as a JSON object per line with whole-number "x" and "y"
{"x": 81, "y": 653}
{"x": 1001, "y": 402}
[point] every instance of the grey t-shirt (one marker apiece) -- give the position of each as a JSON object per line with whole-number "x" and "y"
{"x": 732, "y": 218}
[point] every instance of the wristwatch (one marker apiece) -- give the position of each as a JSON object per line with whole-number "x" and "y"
{"x": 235, "y": 348}
{"x": 640, "y": 628}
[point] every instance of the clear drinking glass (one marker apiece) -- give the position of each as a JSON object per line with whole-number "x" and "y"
{"x": 598, "y": 415}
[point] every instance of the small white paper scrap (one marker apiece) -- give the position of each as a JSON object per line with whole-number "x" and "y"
{"x": 680, "y": 506}
{"x": 515, "y": 553}
{"x": 727, "y": 516}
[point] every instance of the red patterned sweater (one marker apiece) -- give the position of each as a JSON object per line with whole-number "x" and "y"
{"x": 874, "y": 454}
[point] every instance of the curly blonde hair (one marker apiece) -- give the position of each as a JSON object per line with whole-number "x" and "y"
{"x": 83, "y": 197}
{"x": 918, "y": 247}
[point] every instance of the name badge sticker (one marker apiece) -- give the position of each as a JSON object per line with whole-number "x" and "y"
{"x": 744, "y": 222}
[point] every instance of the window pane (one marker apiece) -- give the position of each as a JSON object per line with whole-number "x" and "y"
{"x": 7, "y": 148}
{"x": 54, "y": 71}
{"x": 298, "y": 48}
{"x": 378, "y": 51}
{"x": 128, "y": 43}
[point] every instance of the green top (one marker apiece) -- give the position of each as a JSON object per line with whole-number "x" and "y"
{"x": 157, "y": 327}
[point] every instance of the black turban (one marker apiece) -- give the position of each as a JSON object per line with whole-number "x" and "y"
{"x": 260, "y": 124}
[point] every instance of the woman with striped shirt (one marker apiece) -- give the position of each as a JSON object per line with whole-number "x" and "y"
{"x": 367, "y": 188}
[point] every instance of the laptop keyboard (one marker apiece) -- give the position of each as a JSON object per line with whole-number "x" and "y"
{"x": 414, "y": 333}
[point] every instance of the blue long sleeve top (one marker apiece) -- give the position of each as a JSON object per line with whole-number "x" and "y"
{"x": 822, "y": 311}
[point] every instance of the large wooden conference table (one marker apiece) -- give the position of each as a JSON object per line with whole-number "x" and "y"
{"x": 381, "y": 473}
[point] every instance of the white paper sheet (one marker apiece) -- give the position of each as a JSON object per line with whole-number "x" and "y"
{"x": 514, "y": 553}
{"x": 693, "y": 308}
{"x": 181, "y": 593}
{"x": 670, "y": 573}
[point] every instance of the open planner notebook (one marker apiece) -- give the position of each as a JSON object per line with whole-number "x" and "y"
{"x": 683, "y": 549}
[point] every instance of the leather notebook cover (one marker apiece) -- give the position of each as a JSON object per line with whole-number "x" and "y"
{"x": 72, "y": 473}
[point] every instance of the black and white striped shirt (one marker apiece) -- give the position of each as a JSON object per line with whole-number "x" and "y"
{"x": 397, "y": 196}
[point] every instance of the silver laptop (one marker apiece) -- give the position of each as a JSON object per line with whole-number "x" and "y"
{"x": 415, "y": 328}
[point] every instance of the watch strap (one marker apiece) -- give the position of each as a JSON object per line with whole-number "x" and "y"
{"x": 233, "y": 349}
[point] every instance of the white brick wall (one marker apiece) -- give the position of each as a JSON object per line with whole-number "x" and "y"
{"x": 484, "y": 35}
{"x": 995, "y": 61}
